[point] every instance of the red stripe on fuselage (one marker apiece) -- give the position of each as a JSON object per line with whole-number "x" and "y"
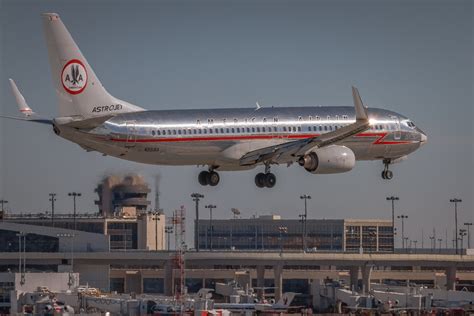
{"x": 254, "y": 137}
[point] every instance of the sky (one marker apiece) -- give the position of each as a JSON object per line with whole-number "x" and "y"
{"x": 413, "y": 57}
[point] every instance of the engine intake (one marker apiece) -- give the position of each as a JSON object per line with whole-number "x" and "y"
{"x": 331, "y": 159}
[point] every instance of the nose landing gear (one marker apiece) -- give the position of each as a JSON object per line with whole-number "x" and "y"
{"x": 386, "y": 173}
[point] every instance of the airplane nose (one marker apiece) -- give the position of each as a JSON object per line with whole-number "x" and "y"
{"x": 423, "y": 139}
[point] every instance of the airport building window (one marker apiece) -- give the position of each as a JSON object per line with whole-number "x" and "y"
{"x": 153, "y": 285}
{"x": 117, "y": 285}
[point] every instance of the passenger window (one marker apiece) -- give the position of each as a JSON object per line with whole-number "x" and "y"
{"x": 216, "y": 130}
{"x": 325, "y": 127}
{"x": 248, "y": 130}
{"x": 299, "y": 128}
{"x": 294, "y": 129}
{"x": 233, "y": 131}
{"x": 222, "y": 130}
{"x": 310, "y": 118}
{"x": 258, "y": 129}
{"x": 263, "y": 129}
{"x": 284, "y": 128}
{"x": 158, "y": 132}
{"x": 204, "y": 130}
{"x": 210, "y": 131}
{"x": 174, "y": 132}
{"x": 275, "y": 129}
{"x": 238, "y": 129}
{"x": 300, "y": 118}
{"x": 153, "y": 133}
{"x": 317, "y": 118}
{"x": 179, "y": 131}
{"x": 253, "y": 129}
{"x": 227, "y": 130}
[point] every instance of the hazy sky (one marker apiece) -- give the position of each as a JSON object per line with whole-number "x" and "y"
{"x": 413, "y": 57}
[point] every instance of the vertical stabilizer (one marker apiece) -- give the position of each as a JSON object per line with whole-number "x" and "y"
{"x": 79, "y": 91}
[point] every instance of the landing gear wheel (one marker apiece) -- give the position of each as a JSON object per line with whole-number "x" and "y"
{"x": 270, "y": 180}
{"x": 203, "y": 178}
{"x": 213, "y": 178}
{"x": 260, "y": 180}
{"x": 386, "y": 173}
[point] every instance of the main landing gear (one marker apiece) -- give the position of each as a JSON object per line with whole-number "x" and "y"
{"x": 209, "y": 178}
{"x": 266, "y": 179}
{"x": 386, "y": 173}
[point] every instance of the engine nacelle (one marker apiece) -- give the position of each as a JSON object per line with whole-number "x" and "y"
{"x": 330, "y": 159}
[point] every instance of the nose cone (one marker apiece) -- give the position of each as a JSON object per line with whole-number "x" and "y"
{"x": 423, "y": 137}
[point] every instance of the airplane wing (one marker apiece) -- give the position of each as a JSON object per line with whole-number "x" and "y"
{"x": 289, "y": 152}
{"x": 28, "y": 114}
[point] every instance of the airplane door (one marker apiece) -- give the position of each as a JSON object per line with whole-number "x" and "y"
{"x": 131, "y": 134}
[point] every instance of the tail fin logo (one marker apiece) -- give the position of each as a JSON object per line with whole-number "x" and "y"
{"x": 74, "y": 76}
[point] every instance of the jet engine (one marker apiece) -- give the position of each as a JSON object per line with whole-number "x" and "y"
{"x": 330, "y": 159}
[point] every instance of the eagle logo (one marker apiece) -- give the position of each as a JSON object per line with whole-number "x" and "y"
{"x": 74, "y": 76}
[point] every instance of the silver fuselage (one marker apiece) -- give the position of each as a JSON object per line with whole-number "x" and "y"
{"x": 220, "y": 137}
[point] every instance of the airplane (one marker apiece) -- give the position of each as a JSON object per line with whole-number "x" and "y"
{"x": 321, "y": 139}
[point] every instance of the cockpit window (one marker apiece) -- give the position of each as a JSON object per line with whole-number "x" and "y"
{"x": 411, "y": 124}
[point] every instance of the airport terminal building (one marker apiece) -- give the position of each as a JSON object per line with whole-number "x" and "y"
{"x": 271, "y": 232}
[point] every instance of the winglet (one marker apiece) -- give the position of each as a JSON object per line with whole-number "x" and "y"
{"x": 20, "y": 100}
{"x": 361, "y": 112}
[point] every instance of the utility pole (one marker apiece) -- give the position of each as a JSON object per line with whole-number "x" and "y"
{"x": 196, "y": 198}
{"x": 52, "y": 199}
{"x": 402, "y": 217}
{"x": 393, "y": 199}
{"x": 74, "y": 195}
{"x": 304, "y": 218}
{"x": 468, "y": 225}
{"x": 456, "y": 201}
{"x": 210, "y": 207}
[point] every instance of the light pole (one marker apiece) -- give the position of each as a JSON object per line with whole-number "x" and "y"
{"x": 196, "y": 198}
{"x": 468, "y": 225}
{"x": 168, "y": 231}
{"x": 456, "y": 201}
{"x": 22, "y": 270}
{"x": 282, "y": 230}
{"x": 67, "y": 235}
{"x": 156, "y": 219}
{"x": 462, "y": 233}
{"x": 402, "y": 217}
{"x": 439, "y": 247}
{"x": 415, "y": 242}
{"x": 3, "y": 202}
{"x": 52, "y": 199}
{"x": 304, "y": 217}
{"x": 432, "y": 240}
{"x": 210, "y": 207}
{"x": 393, "y": 199}
{"x": 74, "y": 195}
